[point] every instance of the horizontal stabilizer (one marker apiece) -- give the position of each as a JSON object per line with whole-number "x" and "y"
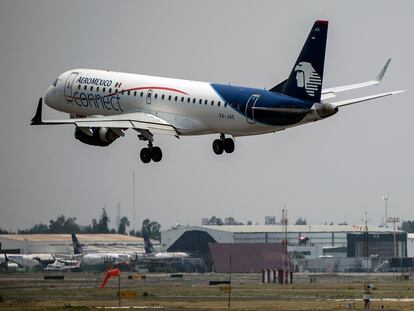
{"x": 330, "y": 92}
{"x": 352, "y": 101}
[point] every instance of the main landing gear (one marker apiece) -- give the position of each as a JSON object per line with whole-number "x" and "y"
{"x": 223, "y": 144}
{"x": 149, "y": 153}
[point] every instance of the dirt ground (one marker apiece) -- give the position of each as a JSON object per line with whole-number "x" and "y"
{"x": 79, "y": 291}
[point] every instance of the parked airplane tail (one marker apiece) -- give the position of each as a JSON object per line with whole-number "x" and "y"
{"x": 77, "y": 247}
{"x": 305, "y": 79}
{"x": 149, "y": 248}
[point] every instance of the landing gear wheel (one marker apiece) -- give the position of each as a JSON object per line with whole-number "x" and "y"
{"x": 218, "y": 146}
{"x": 228, "y": 145}
{"x": 156, "y": 154}
{"x": 145, "y": 155}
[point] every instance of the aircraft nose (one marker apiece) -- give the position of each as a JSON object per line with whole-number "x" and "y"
{"x": 49, "y": 96}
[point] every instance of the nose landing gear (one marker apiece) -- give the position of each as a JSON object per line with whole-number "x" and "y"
{"x": 223, "y": 144}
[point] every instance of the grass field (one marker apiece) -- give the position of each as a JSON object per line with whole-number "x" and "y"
{"x": 79, "y": 291}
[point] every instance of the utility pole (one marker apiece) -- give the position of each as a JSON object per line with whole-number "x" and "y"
{"x": 394, "y": 220}
{"x": 285, "y": 242}
{"x": 133, "y": 201}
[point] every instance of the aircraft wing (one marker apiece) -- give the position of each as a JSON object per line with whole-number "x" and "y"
{"x": 135, "y": 120}
{"x": 331, "y": 92}
{"x": 352, "y": 101}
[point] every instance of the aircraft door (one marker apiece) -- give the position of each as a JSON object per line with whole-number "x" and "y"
{"x": 249, "y": 108}
{"x": 67, "y": 92}
{"x": 149, "y": 95}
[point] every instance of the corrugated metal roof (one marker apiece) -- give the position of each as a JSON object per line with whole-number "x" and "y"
{"x": 83, "y": 238}
{"x": 293, "y": 228}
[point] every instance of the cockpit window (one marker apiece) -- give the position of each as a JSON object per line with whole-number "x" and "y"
{"x": 55, "y": 83}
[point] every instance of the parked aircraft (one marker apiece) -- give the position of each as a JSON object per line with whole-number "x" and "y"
{"x": 96, "y": 258}
{"x": 103, "y": 104}
{"x": 27, "y": 260}
{"x": 151, "y": 253}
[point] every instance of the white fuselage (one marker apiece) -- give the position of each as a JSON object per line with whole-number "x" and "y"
{"x": 191, "y": 107}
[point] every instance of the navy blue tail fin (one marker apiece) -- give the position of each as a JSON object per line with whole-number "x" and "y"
{"x": 77, "y": 247}
{"x": 305, "y": 79}
{"x": 149, "y": 248}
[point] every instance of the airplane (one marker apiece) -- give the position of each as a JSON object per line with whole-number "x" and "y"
{"x": 151, "y": 253}
{"x": 28, "y": 261}
{"x": 96, "y": 258}
{"x": 103, "y": 104}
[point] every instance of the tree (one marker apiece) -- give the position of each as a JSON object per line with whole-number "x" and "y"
{"x": 301, "y": 221}
{"x": 64, "y": 225}
{"x": 123, "y": 224}
{"x": 231, "y": 221}
{"x": 151, "y": 229}
{"x": 103, "y": 224}
{"x": 2, "y": 231}
{"x": 249, "y": 223}
{"x": 215, "y": 221}
{"x": 37, "y": 228}
{"x": 408, "y": 226}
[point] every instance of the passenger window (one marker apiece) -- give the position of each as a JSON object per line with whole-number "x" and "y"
{"x": 97, "y": 88}
{"x": 103, "y": 90}
{"x": 79, "y": 86}
{"x": 129, "y": 93}
{"x": 212, "y": 103}
{"x": 149, "y": 95}
{"x": 194, "y": 100}
{"x": 188, "y": 100}
{"x": 91, "y": 88}
{"x": 110, "y": 91}
{"x": 135, "y": 93}
{"x": 122, "y": 92}
{"x": 176, "y": 97}
{"x": 218, "y": 104}
{"x": 205, "y": 102}
{"x": 169, "y": 97}
{"x": 156, "y": 95}
{"x": 142, "y": 94}
{"x": 85, "y": 87}
{"x": 225, "y": 105}
{"x": 200, "y": 101}
{"x": 162, "y": 97}
{"x": 182, "y": 99}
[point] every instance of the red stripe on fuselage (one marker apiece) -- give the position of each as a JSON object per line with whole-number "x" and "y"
{"x": 151, "y": 88}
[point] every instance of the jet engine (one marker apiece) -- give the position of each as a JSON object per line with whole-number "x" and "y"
{"x": 96, "y": 136}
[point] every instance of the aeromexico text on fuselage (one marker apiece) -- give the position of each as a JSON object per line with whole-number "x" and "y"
{"x": 110, "y": 102}
{"x": 236, "y": 97}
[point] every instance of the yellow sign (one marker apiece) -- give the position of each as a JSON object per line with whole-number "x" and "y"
{"x": 127, "y": 294}
{"x": 225, "y": 289}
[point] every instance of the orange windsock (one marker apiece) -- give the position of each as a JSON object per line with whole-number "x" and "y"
{"x": 109, "y": 273}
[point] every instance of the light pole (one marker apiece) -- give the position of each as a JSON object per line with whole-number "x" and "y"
{"x": 386, "y": 198}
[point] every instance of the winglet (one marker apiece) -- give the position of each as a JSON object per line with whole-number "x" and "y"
{"x": 37, "y": 119}
{"x": 383, "y": 70}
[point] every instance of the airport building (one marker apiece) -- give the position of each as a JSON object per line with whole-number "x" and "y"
{"x": 343, "y": 245}
{"x": 312, "y": 241}
{"x": 62, "y": 243}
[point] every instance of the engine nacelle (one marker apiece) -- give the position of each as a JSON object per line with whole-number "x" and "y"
{"x": 101, "y": 136}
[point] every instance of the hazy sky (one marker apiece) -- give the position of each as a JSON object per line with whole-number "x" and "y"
{"x": 325, "y": 171}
